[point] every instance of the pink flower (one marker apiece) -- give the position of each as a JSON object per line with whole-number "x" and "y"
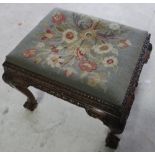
{"x": 54, "y": 49}
{"x": 110, "y": 61}
{"x": 58, "y": 18}
{"x": 29, "y": 53}
{"x": 87, "y": 66}
{"x": 47, "y": 35}
{"x": 80, "y": 53}
{"x": 69, "y": 72}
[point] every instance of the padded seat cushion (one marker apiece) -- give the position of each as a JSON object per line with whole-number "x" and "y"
{"x": 90, "y": 54}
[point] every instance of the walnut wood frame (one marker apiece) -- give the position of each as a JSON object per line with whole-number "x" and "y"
{"x": 111, "y": 115}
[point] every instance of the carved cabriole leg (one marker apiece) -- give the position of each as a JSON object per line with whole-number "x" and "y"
{"x": 112, "y": 139}
{"x": 31, "y": 103}
{"x": 113, "y": 123}
{"x": 15, "y": 81}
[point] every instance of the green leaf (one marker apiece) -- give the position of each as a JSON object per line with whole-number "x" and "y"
{"x": 59, "y": 29}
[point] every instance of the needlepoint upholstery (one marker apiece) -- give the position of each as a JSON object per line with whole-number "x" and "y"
{"x": 86, "y": 53}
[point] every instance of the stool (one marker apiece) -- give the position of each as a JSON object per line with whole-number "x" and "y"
{"x": 90, "y": 62}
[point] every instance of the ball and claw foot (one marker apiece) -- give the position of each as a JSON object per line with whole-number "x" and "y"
{"x": 30, "y": 105}
{"x": 112, "y": 141}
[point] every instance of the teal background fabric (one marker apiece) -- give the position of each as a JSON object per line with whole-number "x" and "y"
{"x": 117, "y": 82}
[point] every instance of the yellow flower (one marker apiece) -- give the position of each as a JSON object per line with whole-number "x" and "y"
{"x": 103, "y": 48}
{"x": 124, "y": 43}
{"x": 55, "y": 60}
{"x": 88, "y": 35}
{"x": 94, "y": 79}
{"x": 37, "y": 60}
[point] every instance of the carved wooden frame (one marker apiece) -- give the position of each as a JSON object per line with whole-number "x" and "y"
{"x": 111, "y": 115}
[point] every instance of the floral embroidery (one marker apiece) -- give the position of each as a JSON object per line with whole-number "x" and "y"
{"x": 114, "y": 26}
{"x": 37, "y": 60}
{"x": 110, "y": 61}
{"x": 87, "y": 66}
{"x": 80, "y": 53}
{"x": 54, "y": 49}
{"x": 29, "y": 53}
{"x": 103, "y": 48}
{"x": 58, "y": 18}
{"x": 96, "y": 79}
{"x": 40, "y": 45}
{"x": 47, "y": 35}
{"x": 88, "y": 35}
{"x": 80, "y": 46}
{"x": 69, "y": 72}
{"x": 124, "y": 43}
{"x": 54, "y": 60}
{"x": 69, "y": 36}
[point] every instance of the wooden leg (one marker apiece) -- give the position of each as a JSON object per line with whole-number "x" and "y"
{"x": 20, "y": 85}
{"x": 112, "y": 140}
{"x": 31, "y": 103}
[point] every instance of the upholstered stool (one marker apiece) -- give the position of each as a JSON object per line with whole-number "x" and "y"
{"x": 90, "y": 62}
